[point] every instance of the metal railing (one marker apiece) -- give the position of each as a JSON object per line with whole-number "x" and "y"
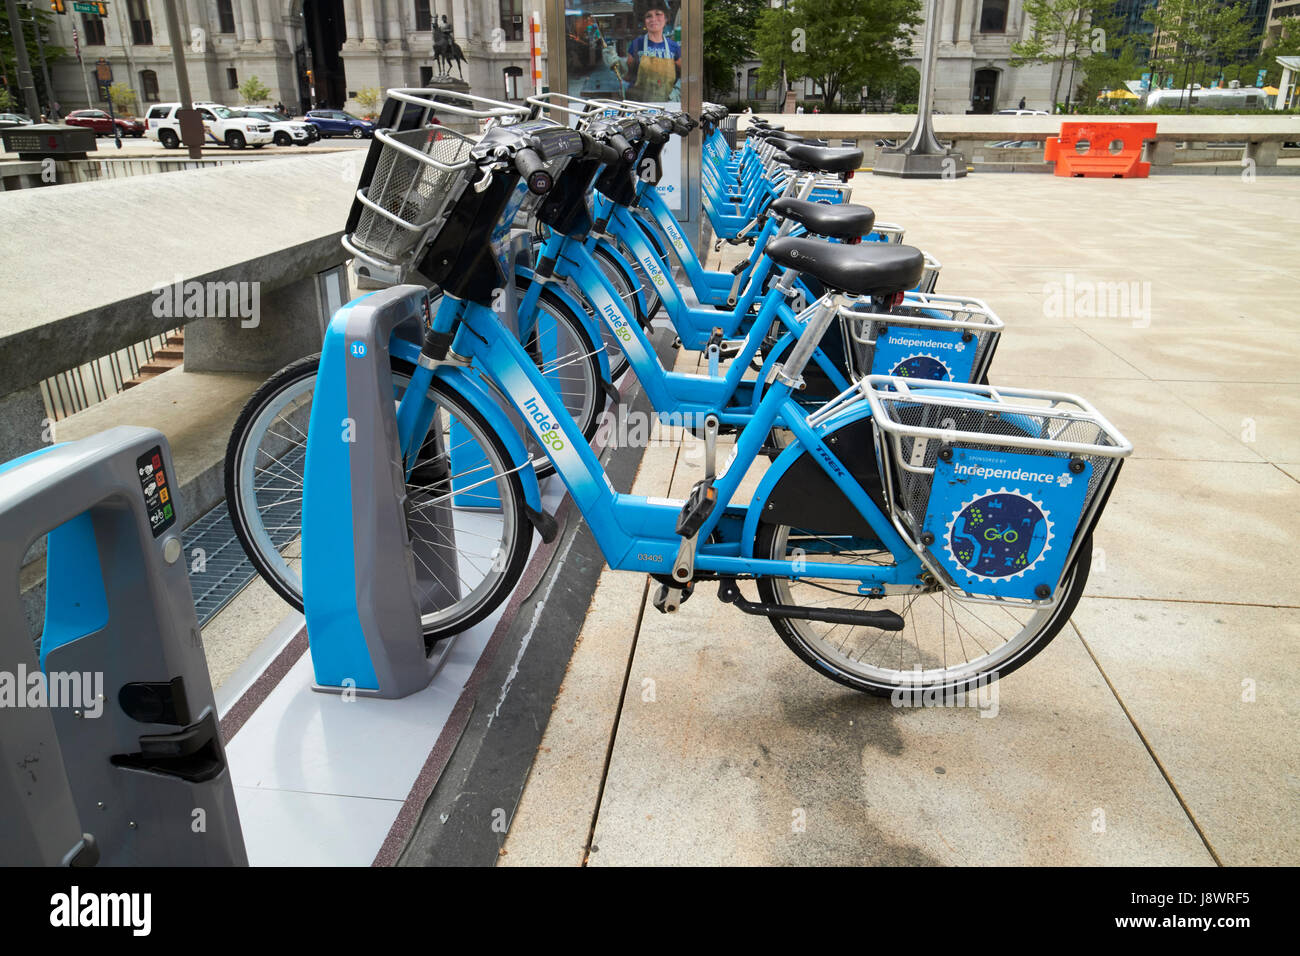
{"x": 76, "y": 389}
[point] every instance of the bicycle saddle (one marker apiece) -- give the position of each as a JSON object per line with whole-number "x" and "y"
{"x": 872, "y": 268}
{"x": 825, "y": 159}
{"x": 839, "y": 222}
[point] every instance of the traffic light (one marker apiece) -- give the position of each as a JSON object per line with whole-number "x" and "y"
{"x": 57, "y": 6}
{"x": 102, "y": 9}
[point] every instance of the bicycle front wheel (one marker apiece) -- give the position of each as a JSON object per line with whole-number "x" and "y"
{"x": 469, "y": 533}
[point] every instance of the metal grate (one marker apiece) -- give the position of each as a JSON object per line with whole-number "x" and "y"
{"x": 225, "y": 570}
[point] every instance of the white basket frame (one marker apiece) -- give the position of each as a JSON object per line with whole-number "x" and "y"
{"x": 878, "y": 389}
{"x": 984, "y": 324}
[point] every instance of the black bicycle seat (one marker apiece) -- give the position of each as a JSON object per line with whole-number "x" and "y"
{"x": 870, "y": 268}
{"x": 825, "y": 159}
{"x": 844, "y": 221}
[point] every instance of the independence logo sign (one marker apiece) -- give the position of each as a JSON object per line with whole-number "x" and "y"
{"x": 1003, "y": 522}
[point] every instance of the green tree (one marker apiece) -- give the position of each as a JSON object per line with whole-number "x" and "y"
{"x": 369, "y": 99}
{"x": 729, "y": 27}
{"x": 124, "y": 99}
{"x": 8, "y": 56}
{"x": 840, "y": 44}
{"x": 1192, "y": 37}
{"x": 1061, "y": 33}
{"x": 1286, "y": 43}
{"x": 1110, "y": 70}
{"x": 254, "y": 91}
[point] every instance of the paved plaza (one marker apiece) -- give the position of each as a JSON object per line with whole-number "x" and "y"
{"x": 1159, "y": 728}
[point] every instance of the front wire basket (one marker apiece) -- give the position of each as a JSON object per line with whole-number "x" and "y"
{"x": 930, "y": 336}
{"x": 419, "y": 175}
{"x": 1045, "y": 439}
{"x": 422, "y": 168}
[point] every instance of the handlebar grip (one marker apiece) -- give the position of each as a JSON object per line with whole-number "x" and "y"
{"x": 592, "y": 148}
{"x": 534, "y": 171}
{"x": 624, "y": 149}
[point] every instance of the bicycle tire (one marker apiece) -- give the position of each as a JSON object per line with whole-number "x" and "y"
{"x": 246, "y": 515}
{"x": 884, "y": 682}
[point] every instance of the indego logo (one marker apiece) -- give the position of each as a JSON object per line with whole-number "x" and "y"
{"x": 617, "y": 322}
{"x": 547, "y": 433}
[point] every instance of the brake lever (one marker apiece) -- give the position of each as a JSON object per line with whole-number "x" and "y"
{"x": 485, "y": 180}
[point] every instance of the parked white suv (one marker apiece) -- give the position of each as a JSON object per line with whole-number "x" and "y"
{"x": 223, "y": 126}
{"x": 286, "y": 131}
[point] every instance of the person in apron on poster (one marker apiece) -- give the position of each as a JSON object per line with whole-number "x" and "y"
{"x": 654, "y": 61}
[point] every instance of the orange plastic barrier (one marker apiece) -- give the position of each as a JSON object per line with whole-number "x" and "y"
{"x": 1100, "y": 159}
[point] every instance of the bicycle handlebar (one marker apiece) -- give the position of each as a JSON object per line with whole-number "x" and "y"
{"x": 534, "y": 171}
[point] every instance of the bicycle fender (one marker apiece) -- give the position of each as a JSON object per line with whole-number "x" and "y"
{"x": 628, "y": 274}
{"x": 467, "y": 385}
{"x": 790, "y": 479}
{"x": 575, "y": 306}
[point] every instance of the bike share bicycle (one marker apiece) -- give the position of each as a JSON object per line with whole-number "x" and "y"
{"x": 910, "y": 536}
{"x": 264, "y": 463}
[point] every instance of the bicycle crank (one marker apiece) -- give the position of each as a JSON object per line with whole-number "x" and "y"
{"x": 884, "y": 620}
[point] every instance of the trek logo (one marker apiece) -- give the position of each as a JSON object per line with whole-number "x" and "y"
{"x": 544, "y": 423}
{"x": 830, "y": 462}
{"x": 73, "y": 909}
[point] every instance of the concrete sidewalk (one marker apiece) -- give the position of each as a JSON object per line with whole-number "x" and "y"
{"x": 1159, "y": 728}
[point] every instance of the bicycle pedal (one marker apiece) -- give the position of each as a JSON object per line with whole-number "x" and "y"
{"x": 668, "y": 599}
{"x": 698, "y": 507}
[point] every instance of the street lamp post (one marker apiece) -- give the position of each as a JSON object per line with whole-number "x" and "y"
{"x": 920, "y": 156}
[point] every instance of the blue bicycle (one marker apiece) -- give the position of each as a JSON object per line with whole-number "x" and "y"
{"x": 915, "y": 535}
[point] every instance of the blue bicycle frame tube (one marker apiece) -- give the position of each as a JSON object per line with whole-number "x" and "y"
{"x": 636, "y": 533}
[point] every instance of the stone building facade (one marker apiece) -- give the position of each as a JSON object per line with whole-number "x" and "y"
{"x": 973, "y": 71}
{"x": 308, "y": 52}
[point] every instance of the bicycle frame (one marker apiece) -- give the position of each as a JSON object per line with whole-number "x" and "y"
{"x": 636, "y": 533}
{"x": 675, "y": 393}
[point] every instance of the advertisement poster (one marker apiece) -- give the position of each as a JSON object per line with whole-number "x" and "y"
{"x": 630, "y": 49}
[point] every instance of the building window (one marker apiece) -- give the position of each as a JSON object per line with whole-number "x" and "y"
{"x": 149, "y": 86}
{"x": 226, "y": 16}
{"x": 512, "y": 19}
{"x": 92, "y": 28}
{"x": 232, "y": 78}
{"x": 141, "y": 27}
{"x": 752, "y": 89}
{"x": 423, "y": 16}
{"x": 993, "y": 16}
{"x": 426, "y": 77}
{"x": 512, "y": 75}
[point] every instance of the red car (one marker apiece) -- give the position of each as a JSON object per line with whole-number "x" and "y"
{"x": 102, "y": 123}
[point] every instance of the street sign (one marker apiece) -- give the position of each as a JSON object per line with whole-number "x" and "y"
{"x": 103, "y": 70}
{"x": 91, "y": 8}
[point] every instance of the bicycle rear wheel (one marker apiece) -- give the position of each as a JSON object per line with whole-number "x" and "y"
{"x": 945, "y": 644}
{"x": 463, "y": 571}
